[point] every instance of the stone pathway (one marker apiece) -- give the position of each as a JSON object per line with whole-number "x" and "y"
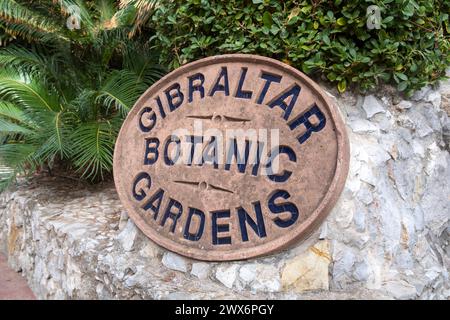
{"x": 12, "y": 285}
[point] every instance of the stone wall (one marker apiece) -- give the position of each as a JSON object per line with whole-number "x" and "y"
{"x": 387, "y": 237}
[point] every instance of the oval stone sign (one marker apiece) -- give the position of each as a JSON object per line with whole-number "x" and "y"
{"x": 231, "y": 157}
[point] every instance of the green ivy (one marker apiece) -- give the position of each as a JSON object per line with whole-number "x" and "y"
{"x": 410, "y": 50}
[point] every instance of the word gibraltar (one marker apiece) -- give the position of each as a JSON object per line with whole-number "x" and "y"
{"x": 175, "y": 98}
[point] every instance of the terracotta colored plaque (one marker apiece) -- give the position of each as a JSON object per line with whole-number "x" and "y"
{"x": 231, "y": 157}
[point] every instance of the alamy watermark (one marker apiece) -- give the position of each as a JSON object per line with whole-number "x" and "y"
{"x": 373, "y": 15}
{"x": 73, "y": 22}
{"x": 253, "y": 150}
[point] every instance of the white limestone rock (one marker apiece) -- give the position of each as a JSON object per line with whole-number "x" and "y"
{"x": 372, "y": 106}
{"x": 175, "y": 262}
{"x": 404, "y": 104}
{"x": 434, "y": 97}
{"x": 400, "y": 289}
{"x": 362, "y": 126}
{"x": 260, "y": 277}
{"x": 128, "y": 236}
{"x": 227, "y": 274}
{"x": 200, "y": 270}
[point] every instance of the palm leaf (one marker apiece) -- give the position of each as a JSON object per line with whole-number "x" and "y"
{"x": 10, "y": 111}
{"x": 53, "y": 138}
{"x": 93, "y": 146}
{"x": 121, "y": 91}
{"x": 18, "y": 20}
{"x": 144, "y": 65}
{"x": 7, "y": 176}
{"x": 33, "y": 62}
{"x": 67, "y": 100}
{"x": 14, "y": 155}
{"x": 13, "y": 160}
{"x": 27, "y": 92}
{"x": 144, "y": 9}
{"x": 84, "y": 105}
{"x": 8, "y": 127}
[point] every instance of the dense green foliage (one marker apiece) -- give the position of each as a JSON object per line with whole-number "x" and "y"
{"x": 65, "y": 92}
{"x": 411, "y": 49}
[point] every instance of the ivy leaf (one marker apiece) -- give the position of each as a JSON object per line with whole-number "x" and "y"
{"x": 293, "y": 20}
{"x": 342, "y": 86}
{"x": 402, "y": 86}
{"x": 388, "y": 19}
{"x": 341, "y": 21}
{"x": 294, "y": 14}
{"x": 274, "y": 29}
{"x": 330, "y": 14}
{"x": 401, "y": 76}
{"x": 267, "y": 19}
{"x": 408, "y": 10}
{"x": 331, "y": 76}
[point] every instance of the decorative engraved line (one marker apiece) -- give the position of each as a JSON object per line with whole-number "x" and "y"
{"x": 187, "y": 182}
{"x": 220, "y": 189}
{"x": 200, "y": 117}
{"x": 232, "y": 119}
{"x": 227, "y": 118}
{"x": 194, "y": 183}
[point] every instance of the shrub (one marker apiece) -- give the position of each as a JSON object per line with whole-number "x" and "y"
{"x": 65, "y": 92}
{"x": 411, "y": 48}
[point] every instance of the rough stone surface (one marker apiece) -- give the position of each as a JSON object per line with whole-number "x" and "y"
{"x": 372, "y": 106}
{"x": 200, "y": 270}
{"x": 387, "y": 237}
{"x": 227, "y": 274}
{"x": 175, "y": 262}
{"x": 128, "y": 236}
{"x": 260, "y": 277}
{"x": 309, "y": 270}
{"x": 404, "y": 104}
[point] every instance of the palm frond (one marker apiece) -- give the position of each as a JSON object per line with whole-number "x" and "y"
{"x": 13, "y": 155}
{"x": 20, "y": 21}
{"x": 14, "y": 159}
{"x": 27, "y": 92}
{"x": 67, "y": 99}
{"x": 7, "y": 176}
{"x": 5, "y": 38}
{"x": 106, "y": 10}
{"x": 144, "y": 65}
{"x": 93, "y": 146}
{"x": 10, "y": 111}
{"x": 126, "y": 16}
{"x": 53, "y": 138}
{"x": 8, "y": 127}
{"x": 84, "y": 105}
{"x": 144, "y": 9}
{"x": 34, "y": 62}
{"x": 121, "y": 91}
